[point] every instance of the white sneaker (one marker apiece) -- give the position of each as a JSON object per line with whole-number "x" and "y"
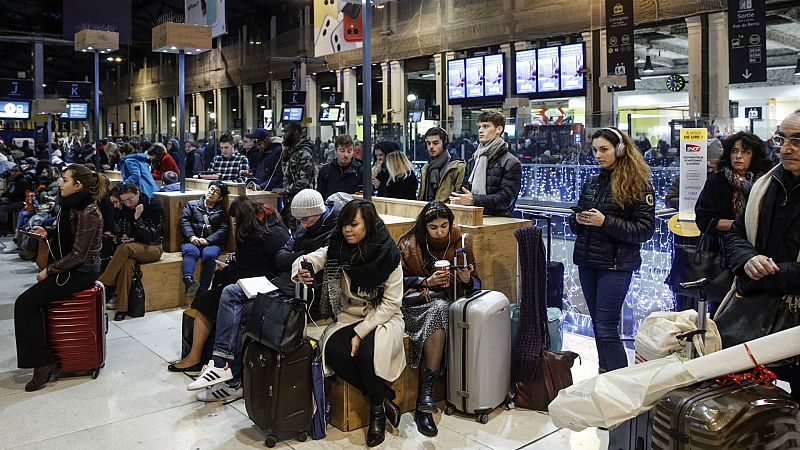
{"x": 221, "y": 392}
{"x": 211, "y": 375}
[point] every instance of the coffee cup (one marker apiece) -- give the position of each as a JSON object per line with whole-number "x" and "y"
{"x": 443, "y": 265}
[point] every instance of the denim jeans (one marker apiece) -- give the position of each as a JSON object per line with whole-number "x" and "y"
{"x": 191, "y": 253}
{"x": 604, "y": 291}
{"x": 23, "y": 218}
{"x": 228, "y": 338}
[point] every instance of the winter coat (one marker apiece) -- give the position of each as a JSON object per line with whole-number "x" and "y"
{"x": 298, "y": 169}
{"x": 166, "y": 164}
{"x": 135, "y": 169}
{"x": 209, "y": 224}
{"x": 148, "y": 229}
{"x": 334, "y": 178}
{"x": 715, "y": 202}
{"x": 616, "y": 245}
{"x": 405, "y": 188}
{"x": 386, "y": 320}
{"x": 255, "y": 255}
{"x": 17, "y": 187}
{"x": 194, "y": 164}
{"x": 452, "y": 178}
{"x": 503, "y": 177}
{"x": 269, "y": 171}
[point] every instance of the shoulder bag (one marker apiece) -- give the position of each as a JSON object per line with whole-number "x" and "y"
{"x": 277, "y": 322}
{"x": 690, "y": 263}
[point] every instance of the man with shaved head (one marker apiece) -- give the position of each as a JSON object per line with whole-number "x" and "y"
{"x": 763, "y": 250}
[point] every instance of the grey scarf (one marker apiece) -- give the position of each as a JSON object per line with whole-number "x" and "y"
{"x": 483, "y": 155}
{"x": 435, "y": 167}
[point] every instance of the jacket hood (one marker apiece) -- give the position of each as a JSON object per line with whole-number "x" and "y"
{"x": 139, "y": 157}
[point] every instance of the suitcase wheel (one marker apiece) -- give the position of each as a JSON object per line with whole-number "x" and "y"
{"x": 302, "y": 437}
{"x": 95, "y": 373}
{"x": 483, "y": 418}
{"x": 449, "y": 410}
{"x": 270, "y": 441}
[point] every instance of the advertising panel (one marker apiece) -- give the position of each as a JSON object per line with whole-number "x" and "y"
{"x": 571, "y": 67}
{"x": 337, "y": 26}
{"x": 693, "y": 154}
{"x": 474, "y": 77}
{"x": 548, "y": 80}
{"x": 526, "y": 72}
{"x": 619, "y": 41}
{"x": 493, "y": 75}
{"x": 207, "y": 12}
{"x": 456, "y": 79}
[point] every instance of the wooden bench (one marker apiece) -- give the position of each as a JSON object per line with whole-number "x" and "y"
{"x": 173, "y": 203}
{"x": 163, "y": 283}
{"x": 397, "y": 225}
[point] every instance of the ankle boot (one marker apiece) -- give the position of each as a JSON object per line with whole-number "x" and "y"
{"x": 425, "y": 423}
{"x": 377, "y": 425}
{"x": 393, "y": 412}
{"x": 42, "y": 375}
{"x": 427, "y": 392}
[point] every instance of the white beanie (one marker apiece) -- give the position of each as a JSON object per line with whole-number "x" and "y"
{"x": 306, "y": 203}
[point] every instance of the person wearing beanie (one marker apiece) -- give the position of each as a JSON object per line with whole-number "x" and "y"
{"x": 344, "y": 173}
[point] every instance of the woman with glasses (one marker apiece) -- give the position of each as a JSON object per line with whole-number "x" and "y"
{"x": 204, "y": 224}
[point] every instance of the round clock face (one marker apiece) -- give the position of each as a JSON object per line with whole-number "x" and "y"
{"x": 676, "y": 83}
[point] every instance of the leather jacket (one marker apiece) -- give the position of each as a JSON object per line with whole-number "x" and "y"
{"x": 85, "y": 253}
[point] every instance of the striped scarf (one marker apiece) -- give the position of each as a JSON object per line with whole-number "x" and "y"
{"x": 533, "y": 309}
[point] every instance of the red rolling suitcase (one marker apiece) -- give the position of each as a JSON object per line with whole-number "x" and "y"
{"x": 76, "y": 330}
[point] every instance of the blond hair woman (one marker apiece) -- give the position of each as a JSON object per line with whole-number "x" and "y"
{"x": 402, "y": 181}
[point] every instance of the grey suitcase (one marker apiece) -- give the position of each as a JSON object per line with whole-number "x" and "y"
{"x": 479, "y": 354}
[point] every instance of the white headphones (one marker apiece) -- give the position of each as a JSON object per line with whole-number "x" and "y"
{"x": 619, "y": 150}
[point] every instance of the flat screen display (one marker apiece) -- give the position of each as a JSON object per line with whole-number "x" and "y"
{"x": 415, "y": 116}
{"x": 329, "y": 114}
{"x": 292, "y": 114}
{"x": 456, "y": 79}
{"x": 475, "y": 77}
{"x": 571, "y": 65}
{"x": 493, "y": 75}
{"x": 76, "y": 111}
{"x": 526, "y": 72}
{"x": 15, "y": 110}
{"x": 548, "y": 70}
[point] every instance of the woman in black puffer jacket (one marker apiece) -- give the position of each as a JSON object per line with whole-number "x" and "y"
{"x": 618, "y": 215}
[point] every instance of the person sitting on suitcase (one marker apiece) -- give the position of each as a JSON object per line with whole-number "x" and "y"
{"x": 204, "y": 224}
{"x": 429, "y": 292}
{"x": 76, "y": 243}
{"x": 363, "y": 291}
{"x": 141, "y": 243}
{"x": 260, "y": 233}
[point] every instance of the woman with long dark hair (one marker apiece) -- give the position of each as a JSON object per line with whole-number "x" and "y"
{"x": 160, "y": 161}
{"x": 363, "y": 291}
{"x": 428, "y": 293}
{"x": 76, "y": 250}
{"x": 617, "y": 216}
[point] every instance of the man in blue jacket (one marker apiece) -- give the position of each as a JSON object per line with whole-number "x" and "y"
{"x": 135, "y": 169}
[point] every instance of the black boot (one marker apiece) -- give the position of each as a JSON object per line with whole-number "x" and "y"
{"x": 423, "y": 416}
{"x": 425, "y": 423}
{"x": 377, "y": 425}
{"x": 41, "y": 376}
{"x": 393, "y": 412}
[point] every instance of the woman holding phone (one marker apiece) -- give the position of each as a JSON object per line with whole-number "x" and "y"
{"x": 616, "y": 214}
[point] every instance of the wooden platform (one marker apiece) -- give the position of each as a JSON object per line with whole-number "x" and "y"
{"x": 173, "y": 203}
{"x": 465, "y": 215}
{"x": 397, "y": 225}
{"x": 163, "y": 284}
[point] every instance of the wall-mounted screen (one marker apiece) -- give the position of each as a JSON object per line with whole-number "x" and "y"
{"x": 456, "y": 79}
{"x": 493, "y": 75}
{"x": 15, "y": 110}
{"x": 474, "y": 77}
{"x": 571, "y": 67}
{"x": 76, "y": 111}
{"x": 526, "y": 72}
{"x": 415, "y": 116}
{"x": 548, "y": 70}
{"x": 292, "y": 114}
{"x": 330, "y": 114}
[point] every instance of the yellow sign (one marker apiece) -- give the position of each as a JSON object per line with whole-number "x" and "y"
{"x": 694, "y": 134}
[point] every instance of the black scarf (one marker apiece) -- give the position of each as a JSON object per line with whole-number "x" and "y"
{"x": 435, "y": 167}
{"x": 66, "y": 235}
{"x": 368, "y": 264}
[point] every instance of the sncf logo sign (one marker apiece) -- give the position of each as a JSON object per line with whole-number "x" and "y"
{"x": 692, "y": 148}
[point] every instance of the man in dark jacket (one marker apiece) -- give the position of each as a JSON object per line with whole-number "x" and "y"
{"x": 204, "y": 224}
{"x": 13, "y": 199}
{"x": 268, "y": 171}
{"x": 763, "y": 245}
{"x": 494, "y": 173}
{"x": 194, "y": 160}
{"x": 298, "y": 167}
{"x": 343, "y": 174}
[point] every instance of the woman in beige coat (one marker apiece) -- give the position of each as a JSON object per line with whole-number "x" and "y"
{"x": 362, "y": 291}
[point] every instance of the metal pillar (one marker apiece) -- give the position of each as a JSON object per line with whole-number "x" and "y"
{"x": 97, "y": 98}
{"x": 366, "y": 95}
{"x": 181, "y": 117}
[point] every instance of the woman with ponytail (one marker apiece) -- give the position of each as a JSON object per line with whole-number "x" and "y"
{"x": 75, "y": 251}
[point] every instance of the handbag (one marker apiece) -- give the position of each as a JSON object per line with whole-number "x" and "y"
{"x": 690, "y": 263}
{"x": 136, "y": 295}
{"x": 413, "y": 297}
{"x": 277, "y": 323}
{"x": 553, "y": 373}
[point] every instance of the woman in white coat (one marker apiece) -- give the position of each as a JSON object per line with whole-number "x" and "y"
{"x": 363, "y": 292}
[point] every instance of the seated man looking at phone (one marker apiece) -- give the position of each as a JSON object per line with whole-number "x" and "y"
{"x": 227, "y": 166}
{"x": 344, "y": 174}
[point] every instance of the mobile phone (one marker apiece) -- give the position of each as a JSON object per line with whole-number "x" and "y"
{"x": 32, "y": 234}
{"x": 307, "y": 266}
{"x": 576, "y": 209}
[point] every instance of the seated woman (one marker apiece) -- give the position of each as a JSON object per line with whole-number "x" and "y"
{"x": 433, "y": 237}
{"x": 113, "y": 225}
{"x": 204, "y": 224}
{"x": 76, "y": 245}
{"x": 139, "y": 243}
{"x": 402, "y": 182}
{"x": 363, "y": 291}
{"x": 161, "y": 161}
{"x": 259, "y": 235}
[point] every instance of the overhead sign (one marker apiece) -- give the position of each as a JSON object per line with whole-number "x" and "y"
{"x": 747, "y": 31}
{"x": 694, "y": 151}
{"x": 619, "y": 41}
{"x": 74, "y": 89}
{"x": 754, "y": 112}
{"x": 14, "y": 88}
{"x": 207, "y": 12}
{"x": 15, "y": 110}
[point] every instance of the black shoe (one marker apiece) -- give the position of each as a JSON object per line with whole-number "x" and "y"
{"x": 119, "y": 316}
{"x": 393, "y": 412}
{"x": 426, "y": 393}
{"x": 425, "y": 423}
{"x": 41, "y": 376}
{"x": 377, "y": 426}
{"x": 191, "y": 284}
{"x": 195, "y": 368}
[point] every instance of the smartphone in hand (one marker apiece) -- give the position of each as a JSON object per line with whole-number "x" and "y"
{"x": 576, "y": 209}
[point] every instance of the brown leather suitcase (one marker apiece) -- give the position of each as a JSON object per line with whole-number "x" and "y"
{"x": 277, "y": 390}
{"x": 730, "y": 416}
{"x": 76, "y": 330}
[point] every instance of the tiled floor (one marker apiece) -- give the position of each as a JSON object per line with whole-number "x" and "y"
{"x": 136, "y": 403}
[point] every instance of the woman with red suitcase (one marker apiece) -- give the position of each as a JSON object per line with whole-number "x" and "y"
{"x": 77, "y": 238}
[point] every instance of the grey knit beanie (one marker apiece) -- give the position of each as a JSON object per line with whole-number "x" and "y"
{"x": 306, "y": 203}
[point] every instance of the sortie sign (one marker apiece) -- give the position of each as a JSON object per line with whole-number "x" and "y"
{"x": 747, "y": 31}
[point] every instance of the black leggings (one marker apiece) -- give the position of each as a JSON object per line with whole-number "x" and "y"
{"x": 32, "y": 348}
{"x": 358, "y": 371}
